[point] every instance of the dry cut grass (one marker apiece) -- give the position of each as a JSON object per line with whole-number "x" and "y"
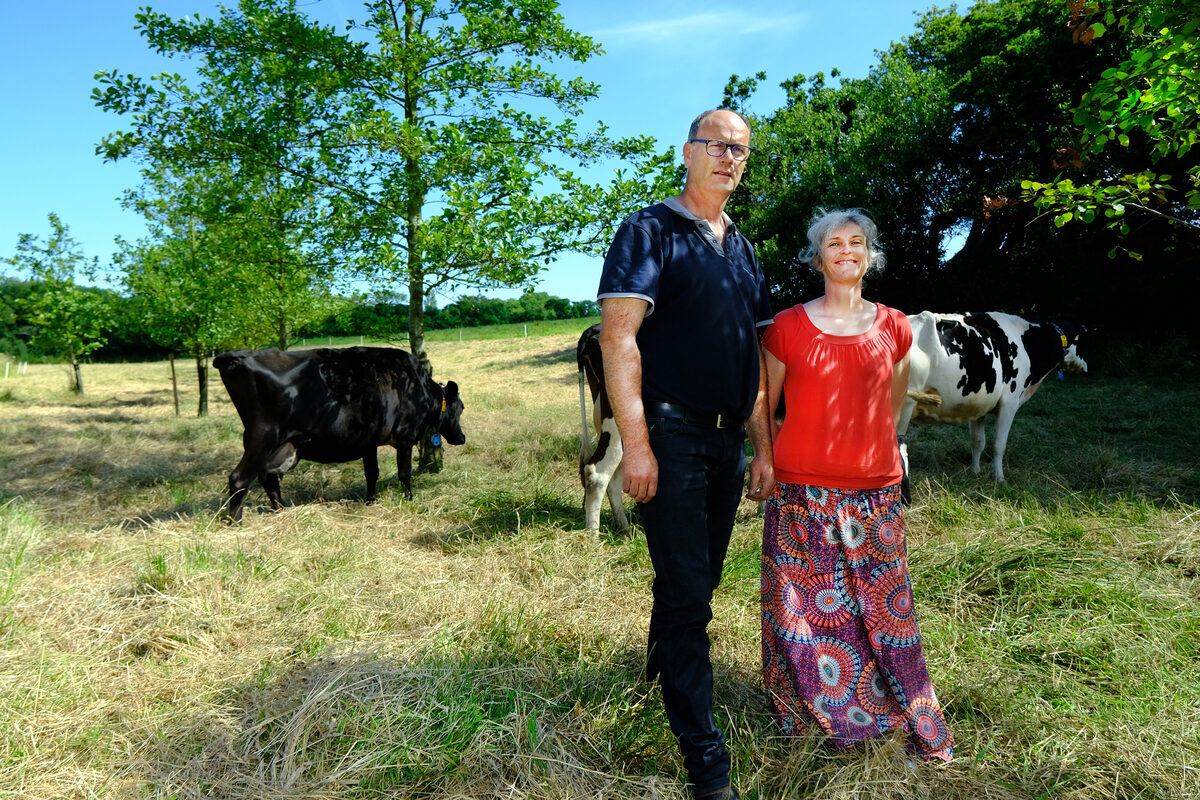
{"x": 475, "y": 643}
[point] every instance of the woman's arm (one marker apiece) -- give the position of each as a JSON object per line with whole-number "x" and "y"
{"x": 899, "y": 387}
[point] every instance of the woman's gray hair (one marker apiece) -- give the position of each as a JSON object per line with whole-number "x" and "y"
{"x": 826, "y": 221}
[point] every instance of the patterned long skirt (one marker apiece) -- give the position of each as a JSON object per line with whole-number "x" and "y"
{"x": 841, "y": 647}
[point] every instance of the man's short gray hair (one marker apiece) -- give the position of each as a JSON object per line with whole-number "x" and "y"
{"x": 703, "y": 115}
{"x": 826, "y": 221}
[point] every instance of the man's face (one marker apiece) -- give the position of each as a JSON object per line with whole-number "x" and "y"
{"x": 716, "y": 173}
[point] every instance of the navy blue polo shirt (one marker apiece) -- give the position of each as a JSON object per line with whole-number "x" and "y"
{"x": 698, "y": 342}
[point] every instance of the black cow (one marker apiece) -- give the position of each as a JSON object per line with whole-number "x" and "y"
{"x": 599, "y": 467}
{"x": 331, "y": 406}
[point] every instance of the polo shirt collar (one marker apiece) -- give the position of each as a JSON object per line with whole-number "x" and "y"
{"x": 702, "y": 225}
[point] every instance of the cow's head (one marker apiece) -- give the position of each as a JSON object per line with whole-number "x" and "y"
{"x": 450, "y": 419}
{"x": 1069, "y": 334}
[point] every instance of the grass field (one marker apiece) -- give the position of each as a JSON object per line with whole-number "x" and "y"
{"x": 475, "y": 643}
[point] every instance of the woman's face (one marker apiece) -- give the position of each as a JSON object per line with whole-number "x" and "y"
{"x": 844, "y": 256}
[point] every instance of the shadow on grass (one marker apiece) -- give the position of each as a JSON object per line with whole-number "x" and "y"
{"x": 537, "y": 360}
{"x": 1088, "y": 438}
{"x": 485, "y": 713}
{"x": 505, "y": 708}
{"x": 502, "y": 513}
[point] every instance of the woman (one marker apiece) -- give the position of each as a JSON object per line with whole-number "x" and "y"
{"x": 841, "y": 647}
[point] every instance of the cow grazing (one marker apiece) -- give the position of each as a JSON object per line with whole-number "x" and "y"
{"x": 599, "y": 467}
{"x": 963, "y": 366}
{"x": 331, "y": 406}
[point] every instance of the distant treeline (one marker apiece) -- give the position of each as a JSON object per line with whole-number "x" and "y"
{"x": 383, "y": 319}
{"x": 128, "y": 338}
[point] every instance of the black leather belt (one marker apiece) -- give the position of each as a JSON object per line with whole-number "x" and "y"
{"x": 657, "y": 408}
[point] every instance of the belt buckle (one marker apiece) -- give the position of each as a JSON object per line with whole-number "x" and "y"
{"x": 722, "y": 423}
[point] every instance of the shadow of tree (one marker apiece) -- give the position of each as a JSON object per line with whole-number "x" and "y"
{"x": 508, "y": 711}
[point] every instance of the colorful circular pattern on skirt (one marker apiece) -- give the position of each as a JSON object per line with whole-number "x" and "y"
{"x": 793, "y": 520}
{"x": 853, "y": 532}
{"x": 888, "y": 608}
{"x": 838, "y": 668}
{"x": 929, "y": 723}
{"x": 820, "y": 499}
{"x": 820, "y": 706}
{"x": 785, "y": 602}
{"x": 886, "y": 540}
{"x": 859, "y": 717}
{"x": 872, "y": 693}
{"x": 825, "y": 602}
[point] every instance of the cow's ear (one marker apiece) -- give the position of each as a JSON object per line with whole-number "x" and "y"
{"x": 451, "y": 392}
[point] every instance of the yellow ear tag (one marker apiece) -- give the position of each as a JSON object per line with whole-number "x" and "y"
{"x": 1062, "y": 336}
{"x": 444, "y": 399}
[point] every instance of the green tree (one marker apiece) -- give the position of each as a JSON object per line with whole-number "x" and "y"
{"x": 186, "y": 299}
{"x": 936, "y": 142}
{"x": 423, "y": 133}
{"x": 861, "y": 143}
{"x": 224, "y": 265}
{"x": 1151, "y": 98}
{"x": 69, "y": 320}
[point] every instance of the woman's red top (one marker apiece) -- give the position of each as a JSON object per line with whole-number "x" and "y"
{"x": 838, "y": 431}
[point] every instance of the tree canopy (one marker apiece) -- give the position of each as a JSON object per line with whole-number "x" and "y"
{"x": 435, "y": 141}
{"x": 1148, "y": 102}
{"x": 944, "y": 137}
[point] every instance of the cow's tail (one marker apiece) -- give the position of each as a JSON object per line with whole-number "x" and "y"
{"x": 584, "y": 439}
{"x": 933, "y": 398}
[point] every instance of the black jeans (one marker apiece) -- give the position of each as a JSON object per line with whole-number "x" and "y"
{"x": 688, "y": 524}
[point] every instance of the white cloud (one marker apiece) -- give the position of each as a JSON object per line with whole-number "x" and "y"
{"x": 706, "y": 25}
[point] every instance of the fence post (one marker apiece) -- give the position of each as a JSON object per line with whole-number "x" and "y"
{"x": 174, "y": 383}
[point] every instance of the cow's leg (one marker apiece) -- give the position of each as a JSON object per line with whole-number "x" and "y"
{"x": 598, "y": 478}
{"x": 978, "y": 438}
{"x": 279, "y": 462}
{"x": 404, "y": 467}
{"x": 239, "y": 486}
{"x": 591, "y": 500}
{"x": 617, "y": 501}
{"x": 270, "y": 483}
{"x": 371, "y": 472}
{"x": 1004, "y": 421}
{"x": 594, "y": 487}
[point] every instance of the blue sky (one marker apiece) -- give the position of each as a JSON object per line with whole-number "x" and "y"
{"x": 665, "y": 61}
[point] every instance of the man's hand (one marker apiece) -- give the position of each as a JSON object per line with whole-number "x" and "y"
{"x": 762, "y": 478}
{"x": 639, "y": 469}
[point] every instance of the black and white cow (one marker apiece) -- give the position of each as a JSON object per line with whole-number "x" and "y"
{"x": 963, "y": 366}
{"x": 599, "y": 467}
{"x": 331, "y": 406}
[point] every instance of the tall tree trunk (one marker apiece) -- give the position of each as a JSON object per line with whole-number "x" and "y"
{"x": 202, "y": 381}
{"x": 430, "y": 445}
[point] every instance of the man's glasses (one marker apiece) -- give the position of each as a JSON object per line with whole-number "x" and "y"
{"x": 716, "y": 148}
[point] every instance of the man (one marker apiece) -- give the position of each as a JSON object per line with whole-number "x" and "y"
{"x": 681, "y": 297}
